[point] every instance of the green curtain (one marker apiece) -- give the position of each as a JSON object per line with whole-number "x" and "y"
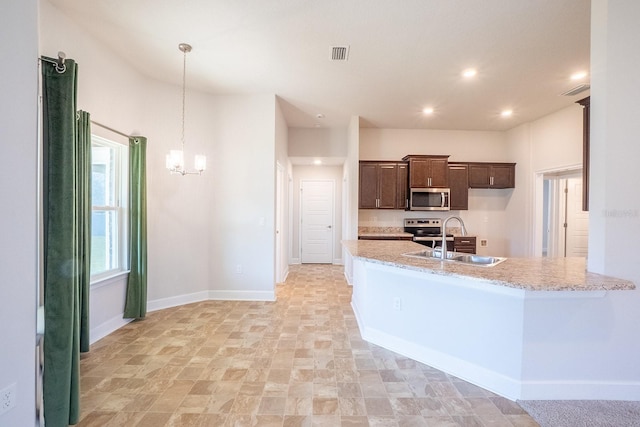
{"x": 66, "y": 212}
{"x": 83, "y": 145}
{"x": 136, "y": 300}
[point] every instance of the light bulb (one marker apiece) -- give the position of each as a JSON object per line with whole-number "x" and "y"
{"x": 201, "y": 162}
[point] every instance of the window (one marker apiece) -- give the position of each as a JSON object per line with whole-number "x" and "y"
{"x": 109, "y": 187}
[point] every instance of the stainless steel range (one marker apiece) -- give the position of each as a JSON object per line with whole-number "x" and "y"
{"x": 426, "y": 231}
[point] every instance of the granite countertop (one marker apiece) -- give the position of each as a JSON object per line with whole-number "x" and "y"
{"x": 387, "y": 234}
{"x": 531, "y": 274}
{"x": 383, "y": 232}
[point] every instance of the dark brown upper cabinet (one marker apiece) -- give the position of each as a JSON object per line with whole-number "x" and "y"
{"x": 428, "y": 171}
{"x": 402, "y": 198}
{"x": 492, "y": 175}
{"x": 586, "y": 137}
{"x": 382, "y": 185}
{"x": 459, "y": 185}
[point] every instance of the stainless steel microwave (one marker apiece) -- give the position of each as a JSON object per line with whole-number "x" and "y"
{"x": 429, "y": 199}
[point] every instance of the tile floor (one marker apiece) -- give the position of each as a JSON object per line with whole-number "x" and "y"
{"x": 299, "y": 361}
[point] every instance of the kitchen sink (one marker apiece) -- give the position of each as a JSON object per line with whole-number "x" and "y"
{"x": 487, "y": 261}
{"x": 469, "y": 259}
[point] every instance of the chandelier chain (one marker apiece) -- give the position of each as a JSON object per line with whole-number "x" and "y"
{"x": 184, "y": 82}
{"x": 175, "y": 158}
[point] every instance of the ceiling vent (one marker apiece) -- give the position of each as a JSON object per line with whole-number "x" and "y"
{"x": 576, "y": 90}
{"x": 340, "y": 53}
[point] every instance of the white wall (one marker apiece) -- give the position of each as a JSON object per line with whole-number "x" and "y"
{"x": 242, "y": 206}
{"x": 614, "y": 200}
{"x": 320, "y": 142}
{"x": 393, "y": 144}
{"x": 282, "y": 158}
{"x": 18, "y": 219}
{"x": 350, "y": 180}
{"x": 549, "y": 143}
{"x": 212, "y": 236}
{"x": 200, "y": 229}
{"x": 333, "y": 173}
{"x": 614, "y": 224}
{"x": 178, "y": 206}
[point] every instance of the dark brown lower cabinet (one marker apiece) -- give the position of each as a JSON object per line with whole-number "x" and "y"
{"x": 465, "y": 244}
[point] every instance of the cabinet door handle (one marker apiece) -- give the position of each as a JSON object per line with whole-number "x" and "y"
{"x": 491, "y": 181}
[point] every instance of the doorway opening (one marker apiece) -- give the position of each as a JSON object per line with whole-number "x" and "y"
{"x": 317, "y": 221}
{"x": 562, "y": 227}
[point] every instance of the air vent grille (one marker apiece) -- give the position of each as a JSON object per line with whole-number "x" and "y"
{"x": 576, "y": 90}
{"x": 340, "y": 53}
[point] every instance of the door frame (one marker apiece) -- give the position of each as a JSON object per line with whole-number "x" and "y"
{"x": 333, "y": 214}
{"x": 280, "y": 270}
{"x": 538, "y": 205}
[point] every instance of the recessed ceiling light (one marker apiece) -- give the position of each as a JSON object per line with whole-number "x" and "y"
{"x": 317, "y": 162}
{"x": 579, "y": 76}
{"x": 427, "y": 110}
{"x": 468, "y": 73}
{"x": 320, "y": 116}
{"x": 506, "y": 113}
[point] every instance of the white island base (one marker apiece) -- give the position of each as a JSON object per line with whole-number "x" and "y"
{"x": 517, "y": 343}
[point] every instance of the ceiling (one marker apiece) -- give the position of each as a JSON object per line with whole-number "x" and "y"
{"x": 403, "y": 55}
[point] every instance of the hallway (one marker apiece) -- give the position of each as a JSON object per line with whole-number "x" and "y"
{"x": 299, "y": 361}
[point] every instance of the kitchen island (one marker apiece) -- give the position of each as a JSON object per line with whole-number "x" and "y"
{"x": 528, "y": 328}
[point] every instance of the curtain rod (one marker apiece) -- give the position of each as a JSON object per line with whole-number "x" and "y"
{"x": 112, "y": 129}
{"x": 58, "y": 64}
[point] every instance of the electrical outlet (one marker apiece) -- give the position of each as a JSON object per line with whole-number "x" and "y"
{"x": 7, "y": 398}
{"x": 397, "y": 303}
{"x": 239, "y": 269}
{"x": 483, "y": 242}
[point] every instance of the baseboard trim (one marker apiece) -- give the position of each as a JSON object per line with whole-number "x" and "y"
{"x": 161, "y": 304}
{"x": 580, "y": 390}
{"x": 488, "y": 379}
{"x": 285, "y": 275}
{"x": 509, "y": 387}
{"x": 98, "y": 332}
{"x": 346, "y": 277}
{"x": 105, "y": 328}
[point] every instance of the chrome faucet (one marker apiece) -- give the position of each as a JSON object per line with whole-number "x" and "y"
{"x": 443, "y": 255}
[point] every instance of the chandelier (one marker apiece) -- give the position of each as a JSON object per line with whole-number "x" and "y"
{"x": 175, "y": 158}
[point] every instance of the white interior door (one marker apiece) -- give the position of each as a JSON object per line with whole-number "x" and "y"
{"x": 562, "y": 217}
{"x": 317, "y": 228}
{"x": 577, "y": 220}
{"x": 555, "y": 221}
